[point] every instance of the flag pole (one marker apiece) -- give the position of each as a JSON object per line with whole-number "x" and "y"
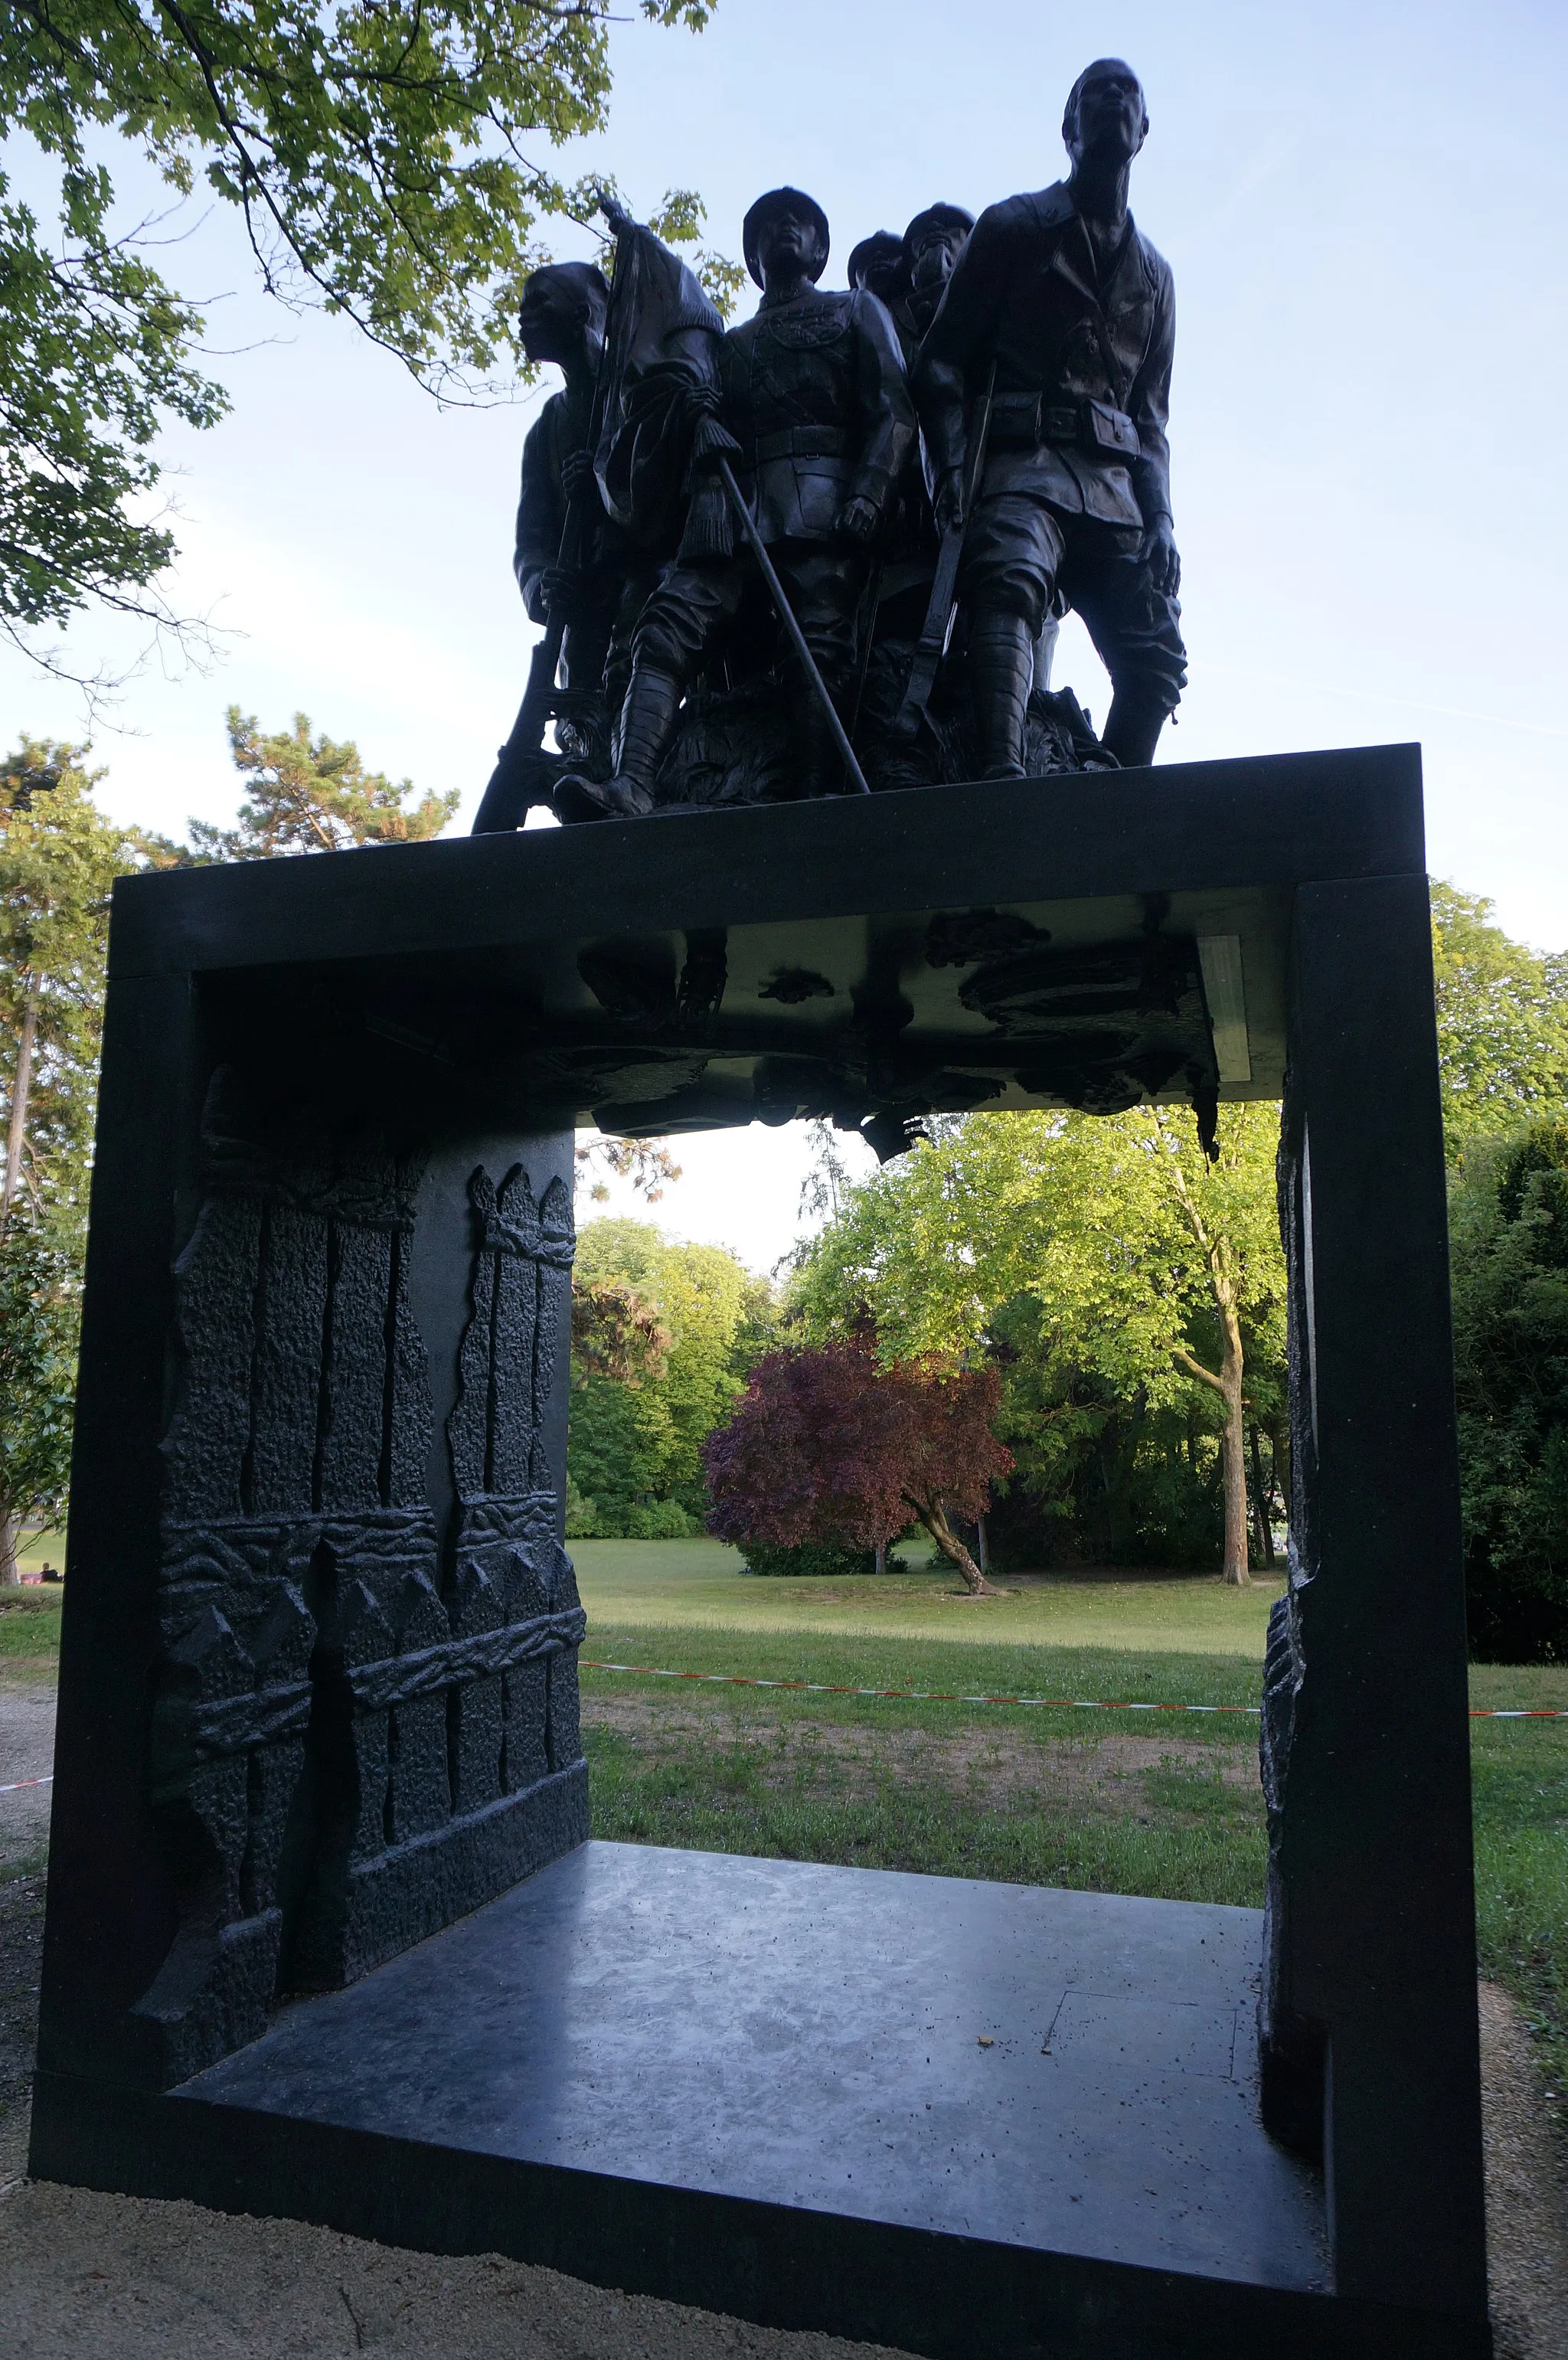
{"x": 817, "y": 684}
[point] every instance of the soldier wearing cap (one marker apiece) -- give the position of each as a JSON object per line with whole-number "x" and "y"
{"x": 598, "y": 596}
{"x": 1073, "y": 305}
{"x": 814, "y": 392}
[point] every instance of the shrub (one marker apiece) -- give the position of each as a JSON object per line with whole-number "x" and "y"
{"x": 659, "y": 1520}
{"x": 812, "y": 1557}
{"x": 582, "y": 1514}
{"x": 626, "y": 1519}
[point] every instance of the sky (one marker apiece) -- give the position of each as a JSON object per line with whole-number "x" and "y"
{"x": 1365, "y": 211}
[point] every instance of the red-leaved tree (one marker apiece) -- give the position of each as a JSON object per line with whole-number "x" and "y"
{"x": 827, "y": 1447}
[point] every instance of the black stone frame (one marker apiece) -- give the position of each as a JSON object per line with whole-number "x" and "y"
{"x": 299, "y": 977}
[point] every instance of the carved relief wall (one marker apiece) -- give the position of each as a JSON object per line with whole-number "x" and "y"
{"x": 365, "y": 1726}
{"x": 1291, "y": 2045}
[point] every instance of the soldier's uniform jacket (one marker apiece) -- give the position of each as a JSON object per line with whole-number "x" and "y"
{"x": 815, "y": 393}
{"x": 559, "y": 429}
{"x": 1082, "y": 363}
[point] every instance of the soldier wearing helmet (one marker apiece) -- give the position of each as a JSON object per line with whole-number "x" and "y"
{"x": 814, "y": 392}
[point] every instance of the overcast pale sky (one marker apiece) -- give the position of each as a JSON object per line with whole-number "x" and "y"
{"x": 1364, "y": 207}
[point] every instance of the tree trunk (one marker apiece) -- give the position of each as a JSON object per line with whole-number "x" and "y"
{"x": 1263, "y": 1503}
{"x": 1227, "y": 1385}
{"x": 21, "y": 1089}
{"x": 881, "y": 1556}
{"x": 1232, "y": 1452}
{"x": 10, "y": 1538}
{"x": 935, "y": 1522}
{"x": 981, "y": 1535}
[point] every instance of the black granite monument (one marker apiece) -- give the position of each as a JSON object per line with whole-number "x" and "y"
{"x": 317, "y": 1700}
{"x": 326, "y": 1936}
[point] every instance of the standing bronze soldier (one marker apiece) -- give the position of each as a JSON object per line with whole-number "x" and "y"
{"x": 814, "y": 392}
{"x": 599, "y": 597}
{"x": 932, "y": 246}
{"x": 926, "y": 253}
{"x": 909, "y": 273}
{"x": 1065, "y": 298}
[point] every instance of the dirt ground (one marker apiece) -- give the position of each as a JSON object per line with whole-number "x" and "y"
{"x": 106, "y": 2277}
{"x": 86, "y": 2276}
{"x": 986, "y": 1766}
{"x": 1527, "y": 2190}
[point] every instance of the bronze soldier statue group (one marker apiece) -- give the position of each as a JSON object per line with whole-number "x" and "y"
{"x": 828, "y": 550}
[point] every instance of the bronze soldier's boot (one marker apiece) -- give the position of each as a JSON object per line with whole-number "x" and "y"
{"x": 818, "y": 766}
{"x": 647, "y": 723}
{"x": 1001, "y": 673}
{"x": 1140, "y": 711}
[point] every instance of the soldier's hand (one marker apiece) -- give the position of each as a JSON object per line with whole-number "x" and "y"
{"x": 858, "y": 521}
{"x": 1159, "y": 554}
{"x": 949, "y": 500}
{"x": 576, "y": 472}
{"x": 562, "y": 594}
{"x": 614, "y": 212}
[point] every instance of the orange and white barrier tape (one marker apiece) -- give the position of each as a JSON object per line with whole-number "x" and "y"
{"x": 1046, "y": 1704}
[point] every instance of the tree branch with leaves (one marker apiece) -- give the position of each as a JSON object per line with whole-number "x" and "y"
{"x": 389, "y": 163}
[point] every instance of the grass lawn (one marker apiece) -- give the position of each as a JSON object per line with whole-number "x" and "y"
{"x": 30, "y": 1633}
{"x": 699, "y": 1585}
{"x": 39, "y": 1549}
{"x": 1167, "y": 1805}
{"x": 1156, "y": 1803}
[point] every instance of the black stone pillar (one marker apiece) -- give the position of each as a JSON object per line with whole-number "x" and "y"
{"x": 319, "y": 1688}
{"x": 1369, "y": 2043}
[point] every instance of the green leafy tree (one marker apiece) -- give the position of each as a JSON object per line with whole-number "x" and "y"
{"x": 1502, "y": 1024}
{"x": 1126, "y": 1268}
{"x": 39, "y": 1321}
{"x": 387, "y": 161}
{"x": 1508, "y": 1216}
{"x": 663, "y": 1337}
{"x": 59, "y": 859}
{"x": 93, "y": 360}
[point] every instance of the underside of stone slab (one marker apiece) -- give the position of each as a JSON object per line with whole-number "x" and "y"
{"x": 955, "y": 2118}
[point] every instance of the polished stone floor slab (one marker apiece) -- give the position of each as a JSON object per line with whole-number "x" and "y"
{"x": 1067, "y": 2072}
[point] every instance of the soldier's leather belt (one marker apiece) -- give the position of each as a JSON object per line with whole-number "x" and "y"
{"x": 804, "y": 442}
{"x": 1021, "y": 422}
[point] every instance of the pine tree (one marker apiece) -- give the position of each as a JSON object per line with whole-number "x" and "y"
{"x": 308, "y": 794}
